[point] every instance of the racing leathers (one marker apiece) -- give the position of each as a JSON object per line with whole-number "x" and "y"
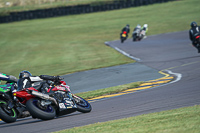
{"x": 8, "y": 78}
{"x": 137, "y": 30}
{"x": 144, "y": 30}
{"x": 127, "y": 29}
{"x": 193, "y": 32}
{"x": 27, "y": 82}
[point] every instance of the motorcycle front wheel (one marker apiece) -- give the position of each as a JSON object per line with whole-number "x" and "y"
{"x": 38, "y": 111}
{"x": 7, "y": 115}
{"x": 82, "y": 105}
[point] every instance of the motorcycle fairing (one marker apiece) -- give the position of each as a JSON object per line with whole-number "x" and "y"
{"x": 123, "y": 35}
{"x": 7, "y": 87}
{"x": 67, "y": 103}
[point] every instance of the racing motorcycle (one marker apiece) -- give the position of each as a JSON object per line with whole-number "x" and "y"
{"x": 138, "y": 35}
{"x": 123, "y": 36}
{"x": 10, "y": 107}
{"x": 197, "y": 39}
{"x": 55, "y": 100}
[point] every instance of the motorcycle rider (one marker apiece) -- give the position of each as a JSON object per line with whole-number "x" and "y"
{"x": 9, "y": 79}
{"x": 127, "y": 29}
{"x": 138, "y": 27}
{"x": 136, "y": 32}
{"x": 145, "y": 29}
{"x": 26, "y": 80}
{"x": 193, "y": 32}
{"x": 12, "y": 79}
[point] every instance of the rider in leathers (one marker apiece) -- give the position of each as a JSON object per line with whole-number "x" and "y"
{"x": 145, "y": 29}
{"x": 9, "y": 79}
{"x": 127, "y": 29}
{"x": 26, "y": 79}
{"x": 193, "y": 32}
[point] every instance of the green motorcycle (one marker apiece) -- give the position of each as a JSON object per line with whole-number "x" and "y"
{"x": 7, "y": 112}
{"x": 11, "y": 109}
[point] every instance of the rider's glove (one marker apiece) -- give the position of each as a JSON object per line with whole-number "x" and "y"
{"x": 58, "y": 78}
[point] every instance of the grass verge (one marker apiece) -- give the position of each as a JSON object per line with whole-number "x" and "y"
{"x": 110, "y": 90}
{"x": 61, "y": 45}
{"x": 182, "y": 120}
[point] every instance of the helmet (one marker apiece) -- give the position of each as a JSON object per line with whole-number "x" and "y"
{"x": 24, "y": 74}
{"x": 145, "y": 25}
{"x": 193, "y": 24}
{"x": 127, "y": 25}
{"x": 138, "y": 26}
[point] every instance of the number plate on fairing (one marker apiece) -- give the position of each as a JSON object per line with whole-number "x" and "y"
{"x": 66, "y": 104}
{"x": 123, "y": 35}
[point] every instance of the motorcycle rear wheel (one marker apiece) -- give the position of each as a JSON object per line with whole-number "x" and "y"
{"x": 38, "y": 112}
{"x": 82, "y": 105}
{"x": 7, "y": 115}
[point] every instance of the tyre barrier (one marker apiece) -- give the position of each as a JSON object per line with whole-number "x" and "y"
{"x": 78, "y": 9}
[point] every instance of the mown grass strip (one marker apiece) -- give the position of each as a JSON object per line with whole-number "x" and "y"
{"x": 182, "y": 120}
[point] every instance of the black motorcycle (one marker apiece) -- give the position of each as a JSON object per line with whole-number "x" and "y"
{"x": 136, "y": 35}
{"x": 123, "y": 36}
{"x": 197, "y": 39}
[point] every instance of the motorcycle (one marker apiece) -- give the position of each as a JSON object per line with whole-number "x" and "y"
{"x": 123, "y": 36}
{"x": 138, "y": 35}
{"x": 10, "y": 108}
{"x": 55, "y": 101}
{"x": 197, "y": 39}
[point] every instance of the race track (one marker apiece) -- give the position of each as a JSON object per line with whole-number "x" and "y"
{"x": 171, "y": 51}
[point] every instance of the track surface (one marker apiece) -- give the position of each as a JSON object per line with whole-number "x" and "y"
{"x": 166, "y": 51}
{"x": 110, "y": 76}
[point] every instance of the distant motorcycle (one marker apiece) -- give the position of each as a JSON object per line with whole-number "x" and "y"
{"x": 197, "y": 39}
{"x": 138, "y": 35}
{"x": 123, "y": 36}
{"x": 56, "y": 102}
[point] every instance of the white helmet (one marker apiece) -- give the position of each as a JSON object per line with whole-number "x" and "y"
{"x": 145, "y": 25}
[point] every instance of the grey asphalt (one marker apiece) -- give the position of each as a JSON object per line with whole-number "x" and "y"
{"x": 110, "y": 76}
{"x": 170, "y": 51}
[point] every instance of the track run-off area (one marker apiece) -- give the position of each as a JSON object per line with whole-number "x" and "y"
{"x": 169, "y": 65}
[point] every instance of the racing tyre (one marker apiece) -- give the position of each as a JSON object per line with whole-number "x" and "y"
{"x": 7, "y": 115}
{"x": 82, "y": 105}
{"x": 38, "y": 111}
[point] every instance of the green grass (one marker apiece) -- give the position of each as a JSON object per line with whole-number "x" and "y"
{"x": 107, "y": 91}
{"x": 62, "y": 45}
{"x": 182, "y": 120}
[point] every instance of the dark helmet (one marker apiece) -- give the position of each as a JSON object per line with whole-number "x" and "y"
{"x": 127, "y": 25}
{"x": 24, "y": 74}
{"x": 193, "y": 24}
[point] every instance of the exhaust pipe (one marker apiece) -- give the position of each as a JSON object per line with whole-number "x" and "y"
{"x": 44, "y": 96}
